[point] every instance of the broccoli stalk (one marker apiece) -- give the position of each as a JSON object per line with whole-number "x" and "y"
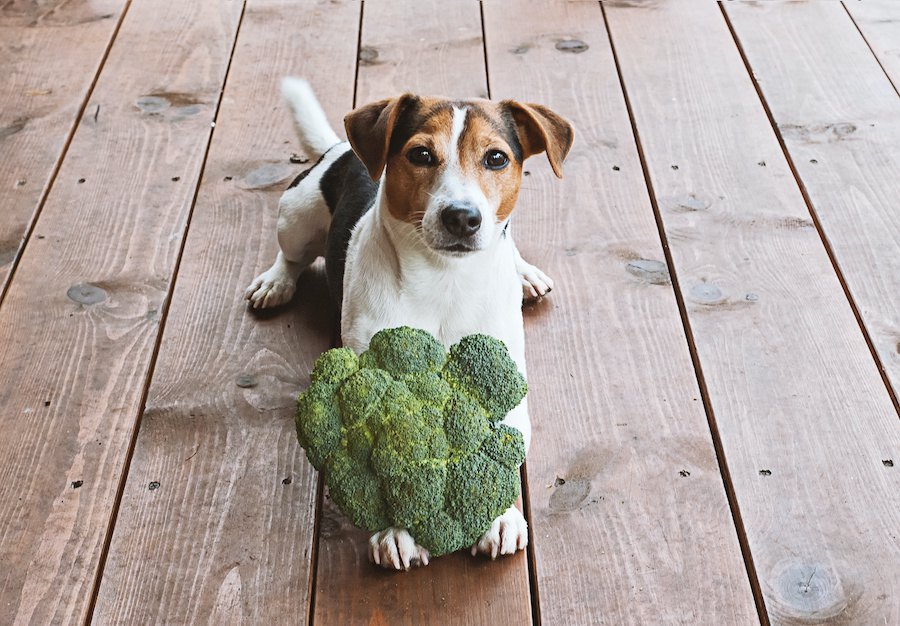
{"x": 409, "y": 436}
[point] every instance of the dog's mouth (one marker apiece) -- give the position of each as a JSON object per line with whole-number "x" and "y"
{"x": 457, "y": 249}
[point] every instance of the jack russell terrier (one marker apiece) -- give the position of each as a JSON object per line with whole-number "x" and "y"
{"x": 426, "y": 245}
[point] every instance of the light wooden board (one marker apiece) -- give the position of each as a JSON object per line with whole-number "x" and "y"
{"x": 879, "y": 22}
{"x": 839, "y": 117}
{"x": 50, "y": 54}
{"x": 443, "y": 56}
{"x": 81, "y": 317}
{"x": 429, "y": 47}
{"x": 228, "y": 535}
{"x": 804, "y": 416}
{"x": 626, "y": 494}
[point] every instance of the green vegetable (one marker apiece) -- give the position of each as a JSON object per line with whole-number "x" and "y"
{"x": 409, "y": 436}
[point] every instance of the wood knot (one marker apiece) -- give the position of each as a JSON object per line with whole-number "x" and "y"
{"x": 569, "y": 493}
{"x": 266, "y": 176}
{"x": 85, "y": 293}
{"x": 653, "y": 272}
{"x": 706, "y": 293}
{"x": 246, "y": 381}
{"x": 688, "y": 203}
{"x": 807, "y": 592}
{"x": 181, "y": 104}
{"x": 368, "y": 55}
{"x": 574, "y": 46}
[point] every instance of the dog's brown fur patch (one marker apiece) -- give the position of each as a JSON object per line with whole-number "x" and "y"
{"x": 407, "y": 186}
{"x": 483, "y": 134}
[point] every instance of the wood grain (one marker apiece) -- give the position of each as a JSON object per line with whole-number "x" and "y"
{"x": 879, "y": 23}
{"x": 80, "y": 320}
{"x": 50, "y": 54}
{"x": 804, "y": 417}
{"x": 839, "y": 117}
{"x": 228, "y": 535}
{"x": 626, "y": 494}
{"x": 444, "y": 56}
{"x": 428, "y": 47}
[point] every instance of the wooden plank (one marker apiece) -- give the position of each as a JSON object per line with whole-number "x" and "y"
{"x": 444, "y": 56}
{"x": 81, "y": 318}
{"x": 228, "y": 536}
{"x": 429, "y": 47}
{"x": 626, "y": 495}
{"x": 879, "y": 23}
{"x": 803, "y": 415}
{"x": 50, "y": 54}
{"x": 839, "y": 118}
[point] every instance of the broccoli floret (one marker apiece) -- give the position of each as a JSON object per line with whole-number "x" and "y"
{"x": 334, "y": 366}
{"x": 319, "y": 423}
{"x": 409, "y": 435}
{"x": 356, "y": 491}
{"x": 404, "y": 350}
{"x": 481, "y": 365}
{"x": 505, "y": 445}
{"x": 466, "y": 423}
{"x": 474, "y": 499}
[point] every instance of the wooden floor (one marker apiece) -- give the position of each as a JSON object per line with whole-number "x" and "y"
{"x": 714, "y": 380}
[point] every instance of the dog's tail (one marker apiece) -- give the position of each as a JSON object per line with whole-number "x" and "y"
{"x": 315, "y": 133}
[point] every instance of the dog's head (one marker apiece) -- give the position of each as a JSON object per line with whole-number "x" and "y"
{"x": 453, "y": 168}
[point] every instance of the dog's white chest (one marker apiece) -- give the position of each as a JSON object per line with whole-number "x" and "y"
{"x": 385, "y": 288}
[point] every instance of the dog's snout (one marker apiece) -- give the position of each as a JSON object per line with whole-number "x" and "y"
{"x": 462, "y": 220}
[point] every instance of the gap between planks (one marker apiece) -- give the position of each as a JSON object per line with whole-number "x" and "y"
{"x": 758, "y": 597}
{"x": 151, "y": 369}
{"x": 35, "y": 215}
{"x": 811, "y": 207}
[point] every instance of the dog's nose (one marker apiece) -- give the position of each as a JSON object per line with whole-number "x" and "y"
{"x": 462, "y": 220}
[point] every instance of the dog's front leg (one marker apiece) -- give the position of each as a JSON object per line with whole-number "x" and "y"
{"x": 394, "y": 548}
{"x": 535, "y": 283}
{"x": 509, "y": 532}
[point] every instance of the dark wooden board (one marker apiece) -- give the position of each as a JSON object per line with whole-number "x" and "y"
{"x": 81, "y": 318}
{"x": 629, "y": 511}
{"x": 228, "y": 536}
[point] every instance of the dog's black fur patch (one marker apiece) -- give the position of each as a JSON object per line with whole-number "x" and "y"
{"x": 349, "y": 192}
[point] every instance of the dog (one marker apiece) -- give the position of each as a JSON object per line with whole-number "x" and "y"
{"x": 412, "y": 215}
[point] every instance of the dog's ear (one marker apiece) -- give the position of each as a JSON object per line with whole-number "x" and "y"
{"x": 369, "y": 130}
{"x": 541, "y": 130}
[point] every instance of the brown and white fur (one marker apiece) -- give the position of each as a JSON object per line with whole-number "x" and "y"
{"x": 427, "y": 246}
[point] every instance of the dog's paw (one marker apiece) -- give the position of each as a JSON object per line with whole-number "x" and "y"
{"x": 270, "y": 289}
{"x": 394, "y": 548}
{"x": 535, "y": 283}
{"x": 508, "y": 533}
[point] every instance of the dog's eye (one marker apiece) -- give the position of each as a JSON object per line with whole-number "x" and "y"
{"x": 420, "y": 156}
{"x": 495, "y": 160}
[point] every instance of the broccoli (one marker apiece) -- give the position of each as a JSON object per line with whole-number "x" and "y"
{"x": 409, "y": 435}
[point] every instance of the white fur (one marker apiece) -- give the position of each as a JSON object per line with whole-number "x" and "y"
{"x": 303, "y": 221}
{"x": 454, "y": 188}
{"x": 315, "y": 133}
{"x": 394, "y": 277}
